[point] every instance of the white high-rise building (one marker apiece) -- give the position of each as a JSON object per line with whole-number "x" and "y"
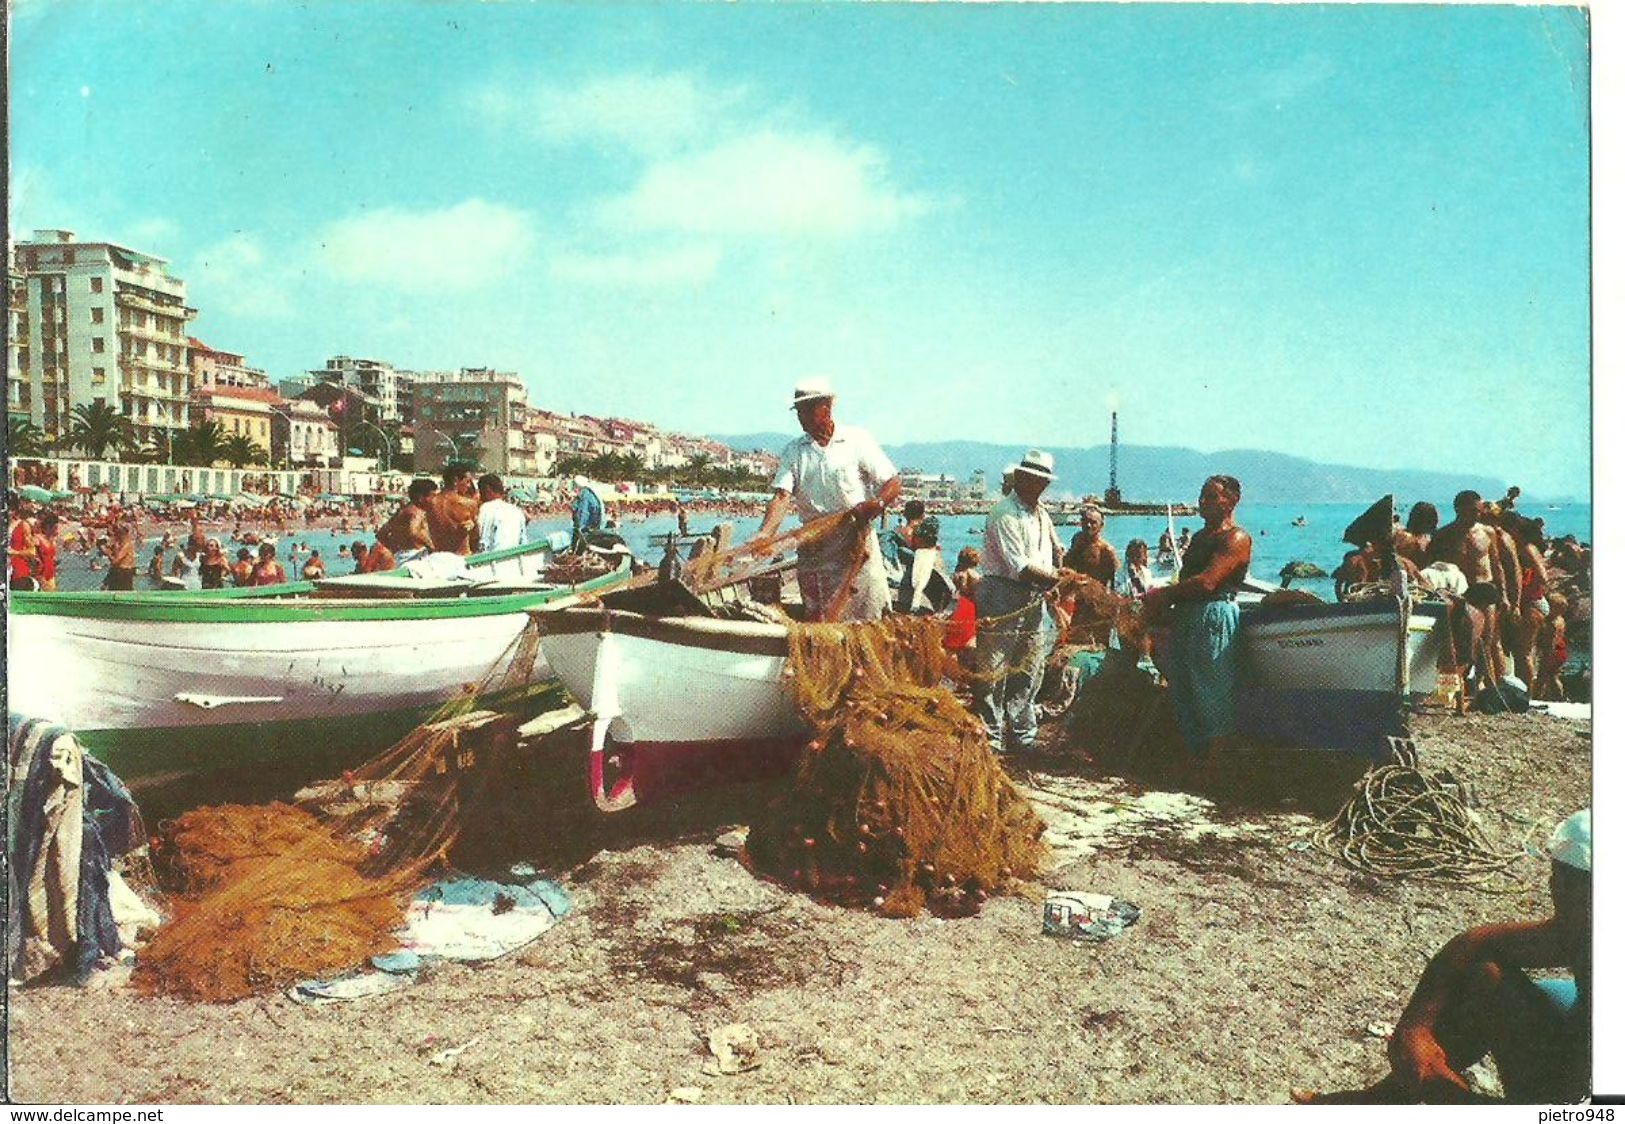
{"x": 105, "y": 323}
{"x": 387, "y": 391}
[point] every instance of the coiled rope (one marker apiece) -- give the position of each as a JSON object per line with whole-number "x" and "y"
{"x": 1404, "y": 822}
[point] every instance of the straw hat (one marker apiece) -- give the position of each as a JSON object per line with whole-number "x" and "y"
{"x": 1037, "y": 463}
{"x": 811, "y": 390}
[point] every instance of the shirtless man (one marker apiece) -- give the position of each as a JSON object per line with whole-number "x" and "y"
{"x": 1477, "y": 998}
{"x": 1204, "y": 658}
{"x": 453, "y": 511}
{"x": 1093, "y": 557}
{"x": 1491, "y": 568}
{"x": 408, "y": 528}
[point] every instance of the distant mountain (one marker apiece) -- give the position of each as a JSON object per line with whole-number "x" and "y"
{"x": 1149, "y": 473}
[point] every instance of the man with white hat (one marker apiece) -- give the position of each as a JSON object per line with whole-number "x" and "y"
{"x": 1475, "y": 998}
{"x": 1020, "y": 564}
{"x": 828, "y": 469}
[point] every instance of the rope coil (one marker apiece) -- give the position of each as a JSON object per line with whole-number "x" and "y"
{"x": 1405, "y": 822}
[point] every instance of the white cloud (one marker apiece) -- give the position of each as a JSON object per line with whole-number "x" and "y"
{"x": 648, "y": 113}
{"x": 683, "y": 265}
{"x": 236, "y": 275}
{"x": 470, "y": 244}
{"x": 154, "y": 231}
{"x": 767, "y": 183}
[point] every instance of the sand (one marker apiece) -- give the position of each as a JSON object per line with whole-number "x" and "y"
{"x": 1257, "y": 965}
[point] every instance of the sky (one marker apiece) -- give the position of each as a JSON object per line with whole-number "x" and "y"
{"x": 1355, "y": 234}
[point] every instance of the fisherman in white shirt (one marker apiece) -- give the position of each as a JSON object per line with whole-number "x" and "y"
{"x": 829, "y": 469}
{"x": 1020, "y": 564}
{"x": 501, "y": 523}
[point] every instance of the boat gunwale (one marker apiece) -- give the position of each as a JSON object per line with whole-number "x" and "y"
{"x": 146, "y": 607}
{"x": 1257, "y": 615}
{"x": 754, "y": 638}
{"x": 26, "y": 601}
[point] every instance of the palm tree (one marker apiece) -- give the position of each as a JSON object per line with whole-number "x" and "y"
{"x": 240, "y": 451}
{"x": 201, "y": 445}
{"x": 24, "y": 438}
{"x": 97, "y": 427}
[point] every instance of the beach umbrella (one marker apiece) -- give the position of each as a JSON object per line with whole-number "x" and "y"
{"x": 244, "y": 500}
{"x": 33, "y": 493}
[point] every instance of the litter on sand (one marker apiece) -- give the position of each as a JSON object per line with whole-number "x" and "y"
{"x": 734, "y": 1049}
{"x": 461, "y": 919}
{"x": 1087, "y": 917}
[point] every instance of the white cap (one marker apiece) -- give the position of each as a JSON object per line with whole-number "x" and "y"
{"x": 579, "y": 481}
{"x": 1037, "y": 463}
{"x": 810, "y": 390}
{"x": 1571, "y": 842}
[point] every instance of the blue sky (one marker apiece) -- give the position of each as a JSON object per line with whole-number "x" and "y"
{"x": 1358, "y": 234}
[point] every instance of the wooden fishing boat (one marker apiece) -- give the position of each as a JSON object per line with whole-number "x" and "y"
{"x": 163, "y": 686}
{"x": 673, "y": 701}
{"x": 1330, "y": 675}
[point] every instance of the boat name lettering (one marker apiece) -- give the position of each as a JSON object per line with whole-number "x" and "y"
{"x": 1302, "y": 642}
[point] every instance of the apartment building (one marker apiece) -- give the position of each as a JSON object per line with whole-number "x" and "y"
{"x": 304, "y": 435}
{"x": 213, "y": 368}
{"x": 245, "y": 410}
{"x": 19, "y": 396}
{"x": 102, "y": 323}
{"x": 386, "y": 390}
{"x": 474, "y": 414}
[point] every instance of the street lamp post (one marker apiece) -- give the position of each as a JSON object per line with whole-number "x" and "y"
{"x": 287, "y": 459}
{"x": 389, "y": 457}
{"x": 450, "y": 440}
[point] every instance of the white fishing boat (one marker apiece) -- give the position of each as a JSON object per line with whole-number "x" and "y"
{"x": 163, "y": 686}
{"x": 1330, "y": 676}
{"x": 673, "y": 701}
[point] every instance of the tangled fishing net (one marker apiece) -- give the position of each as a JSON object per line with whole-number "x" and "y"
{"x": 271, "y": 895}
{"x": 1097, "y": 611}
{"x": 1404, "y": 822}
{"x": 274, "y": 898}
{"x": 899, "y": 802}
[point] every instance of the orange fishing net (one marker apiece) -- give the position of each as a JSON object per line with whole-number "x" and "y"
{"x": 899, "y": 802}
{"x": 276, "y": 898}
{"x": 271, "y": 895}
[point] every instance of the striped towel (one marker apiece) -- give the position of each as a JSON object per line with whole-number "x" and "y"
{"x": 45, "y": 814}
{"x": 68, "y": 815}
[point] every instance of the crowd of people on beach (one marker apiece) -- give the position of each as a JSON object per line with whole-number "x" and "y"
{"x": 209, "y": 544}
{"x": 1511, "y": 590}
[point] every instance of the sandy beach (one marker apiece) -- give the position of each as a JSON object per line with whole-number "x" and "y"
{"x": 1257, "y": 966}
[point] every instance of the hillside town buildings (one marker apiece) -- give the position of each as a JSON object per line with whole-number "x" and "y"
{"x": 99, "y": 322}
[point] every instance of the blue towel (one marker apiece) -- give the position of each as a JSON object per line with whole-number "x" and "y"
{"x": 109, "y": 826}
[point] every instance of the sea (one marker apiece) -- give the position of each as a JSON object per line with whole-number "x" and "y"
{"x": 1277, "y": 541}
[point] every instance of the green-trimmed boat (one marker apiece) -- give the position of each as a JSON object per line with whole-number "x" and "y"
{"x": 163, "y": 686}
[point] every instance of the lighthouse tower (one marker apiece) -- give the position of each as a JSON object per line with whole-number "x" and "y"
{"x": 1114, "y": 497}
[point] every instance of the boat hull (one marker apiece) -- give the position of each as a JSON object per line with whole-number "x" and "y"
{"x": 1325, "y": 676}
{"x": 674, "y": 702}
{"x": 163, "y": 685}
